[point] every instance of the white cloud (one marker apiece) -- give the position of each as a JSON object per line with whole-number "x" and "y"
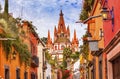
{"x": 45, "y": 14}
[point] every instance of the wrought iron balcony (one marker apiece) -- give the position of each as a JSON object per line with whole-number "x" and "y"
{"x": 34, "y": 61}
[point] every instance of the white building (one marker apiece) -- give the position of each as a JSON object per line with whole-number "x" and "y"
{"x": 48, "y": 71}
{"x": 76, "y": 70}
{"x": 41, "y": 46}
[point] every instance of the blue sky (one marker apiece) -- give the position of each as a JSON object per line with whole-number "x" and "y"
{"x": 45, "y": 14}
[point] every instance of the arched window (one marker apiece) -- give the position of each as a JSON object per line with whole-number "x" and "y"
{"x": 55, "y": 47}
{"x": 62, "y": 35}
{"x": 62, "y": 47}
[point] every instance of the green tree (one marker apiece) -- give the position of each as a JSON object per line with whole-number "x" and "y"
{"x": 6, "y": 9}
{"x": 87, "y": 7}
{"x": 10, "y": 29}
{"x": 75, "y": 55}
{"x": 66, "y": 57}
{"x": 83, "y": 15}
{"x": 47, "y": 55}
{"x": 49, "y": 59}
{"x": 66, "y": 53}
{"x": 44, "y": 39}
{"x": 85, "y": 48}
{"x": 0, "y": 7}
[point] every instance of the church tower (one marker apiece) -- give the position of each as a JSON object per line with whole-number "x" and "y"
{"x": 61, "y": 31}
{"x": 49, "y": 40}
{"x": 61, "y": 39}
{"x": 75, "y": 42}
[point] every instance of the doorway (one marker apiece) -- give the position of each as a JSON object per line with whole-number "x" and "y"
{"x": 116, "y": 68}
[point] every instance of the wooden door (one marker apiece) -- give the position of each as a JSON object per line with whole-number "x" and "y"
{"x": 116, "y": 68}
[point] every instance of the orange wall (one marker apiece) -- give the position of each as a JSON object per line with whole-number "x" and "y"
{"x": 12, "y": 64}
{"x": 94, "y": 29}
{"x": 31, "y": 40}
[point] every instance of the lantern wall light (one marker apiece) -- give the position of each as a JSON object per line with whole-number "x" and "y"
{"x": 108, "y": 14}
{"x": 93, "y": 44}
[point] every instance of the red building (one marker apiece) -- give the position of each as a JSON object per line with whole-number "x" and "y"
{"x": 31, "y": 39}
{"x": 112, "y": 38}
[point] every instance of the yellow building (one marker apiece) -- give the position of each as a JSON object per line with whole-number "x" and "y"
{"x": 96, "y": 58}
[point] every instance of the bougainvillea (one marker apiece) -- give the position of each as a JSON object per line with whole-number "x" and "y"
{"x": 65, "y": 74}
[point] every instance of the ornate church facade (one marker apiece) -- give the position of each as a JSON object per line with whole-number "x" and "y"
{"x": 61, "y": 39}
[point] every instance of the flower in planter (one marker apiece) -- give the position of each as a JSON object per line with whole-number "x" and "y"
{"x": 65, "y": 74}
{"x": 84, "y": 39}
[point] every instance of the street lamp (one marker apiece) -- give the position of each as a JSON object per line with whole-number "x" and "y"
{"x": 93, "y": 44}
{"x": 104, "y": 13}
{"x": 107, "y": 13}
